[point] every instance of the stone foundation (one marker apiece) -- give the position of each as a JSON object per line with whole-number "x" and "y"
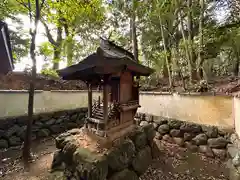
{"x": 12, "y": 130}
{"x": 210, "y": 140}
{"x": 127, "y": 159}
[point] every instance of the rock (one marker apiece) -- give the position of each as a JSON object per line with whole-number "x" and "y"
{"x": 160, "y": 121}
{"x": 167, "y": 138}
{"x": 163, "y": 129}
{"x": 179, "y": 141}
{"x": 158, "y": 136}
{"x": 15, "y": 141}
{"x": 191, "y": 147}
{"x": 57, "y": 128}
{"x": 200, "y": 139}
{"x": 220, "y": 153}
{"x": 59, "y": 121}
{"x": 187, "y": 136}
{"x": 57, "y": 162}
{"x": 74, "y": 117}
{"x": 218, "y": 143}
{"x": 210, "y": 131}
{"x": 139, "y": 139}
{"x": 232, "y": 150}
{"x": 43, "y": 133}
{"x": 143, "y": 123}
{"x": 150, "y": 132}
{"x": 174, "y": 124}
{"x": 233, "y": 138}
{"x": 142, "y": 156}
{"x": 2, "y": 133}
{"x": 3, "y": 144}
{"x": 39, "y": 124}
{"x": 222, "y": 132}
{"x": 126, "y": 174}
{"x": 60, "y": 140}
{"x": 50, "y": 122}
{"x": 57, "y": 175}
{"x": 236, "y": 160}
{"x": 206, "y": 150}
{"x": 155, "y": 126}
{"x": 71, "y": 125}
{"x": 149, "y": 118}
{"x": 121, "y": 157}
{"x": 190, "y": 128}
{"x": 75, "y": 131}
{"x": 13, "y": 130}
{"x": 176, "y": 133}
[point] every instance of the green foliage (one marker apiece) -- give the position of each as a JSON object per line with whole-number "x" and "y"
{"x": 49, "y": 72}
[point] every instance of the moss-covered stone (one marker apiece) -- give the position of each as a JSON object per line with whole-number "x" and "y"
{"x": 125, "y": 175}
{"x": 142, "y": 160}
{"x": 139, "y": 138}
{"x": 121, "y": 157}
{"x": 150, "y": 132}
{"x": 90, "y": 166}
{"x": 60, "y": 140}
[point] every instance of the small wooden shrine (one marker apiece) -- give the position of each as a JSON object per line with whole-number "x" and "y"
{"x": 114, "y": 70}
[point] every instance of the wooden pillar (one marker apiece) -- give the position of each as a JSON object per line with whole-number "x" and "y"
{"x": 89, "y": 100}
{"x": 105, "y": 102}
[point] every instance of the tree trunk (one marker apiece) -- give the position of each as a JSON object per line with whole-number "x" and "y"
{"x": 33, "y": 33}
{"x": 186, "y": 47}
{"x": 200, "y": 54}
{"x": 166, "y": 50}
{"x": 190, "y": 39}
{"x": 70, "y": 45}
{"x": 57, "y": 48}
{"x": 237, "y": 63}
{"x": 134, "y": 37}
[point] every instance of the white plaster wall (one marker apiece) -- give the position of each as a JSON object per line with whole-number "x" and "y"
{"x": 15, "y": 103}
{"x": 237, "y": 115}
{"x": 209, "y": 110}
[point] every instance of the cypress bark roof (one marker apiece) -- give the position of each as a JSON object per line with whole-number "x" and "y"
{"x": 108, "y": 59}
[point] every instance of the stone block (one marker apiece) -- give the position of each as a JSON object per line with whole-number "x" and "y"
{"x": 142, "y": 160}
{"x": 210, "y": 131}
{"x": 43, "y": 133}
{"x": 218, "y": 143}
{"x": 126, "y": 174}
{"x": 176, "y": 133}
{"x": 191, "y": 147}
{"x": 139, "y": 139}
{"x": 179, "y": 141}
{"x": 13, "y": 130}
{"x": 15, "y": 141}
{"x": 187, "y": 136}
{"x": 90, "y": 166}
{"x": 190, "y": 128}
{"x": 3, "y": 144}
{"x": 163, "y": 129}
{"x": 121, "y": 157}
{"x": 174, "y": 124}
{"x": 206, "y": 150}
{"x": 220, "y": 153}
{"x": 200, "y": 139}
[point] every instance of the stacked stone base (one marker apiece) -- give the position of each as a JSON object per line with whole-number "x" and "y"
{"x": 209, "y": 140}
{"x": 13, "y": 129}
{"x": 128, "y": 160}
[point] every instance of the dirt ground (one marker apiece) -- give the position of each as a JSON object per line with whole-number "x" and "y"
{"x": 174, "y": 163}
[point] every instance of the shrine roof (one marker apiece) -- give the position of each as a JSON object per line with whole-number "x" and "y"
{"x": 108, "y": 59}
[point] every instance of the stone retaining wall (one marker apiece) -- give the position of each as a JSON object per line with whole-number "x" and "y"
{"x": 199, "y": 138}
{"x": 12, "y": 130}
{"x": 128, "y": 160}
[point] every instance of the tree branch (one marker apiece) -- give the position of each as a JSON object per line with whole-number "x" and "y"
{"x": 49, "y": 35}
{"x": 24, "y": 4}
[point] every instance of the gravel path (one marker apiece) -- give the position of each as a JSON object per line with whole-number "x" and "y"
{"x": 177, "y": 163}
{"x": 174, "y": 163}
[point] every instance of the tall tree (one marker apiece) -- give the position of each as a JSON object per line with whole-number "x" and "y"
{"x": 34, "y": 9}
